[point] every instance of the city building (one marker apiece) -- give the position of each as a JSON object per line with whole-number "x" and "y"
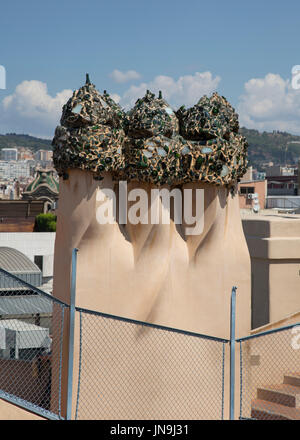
{"x": 14, "y": 169}
{"x": 278, "y": 170}
{"x": 44, "y": 158}
{"x": 17, "y": 300}
{"x": 282, "y": 180}
{"x": 247, "y": 189}
{"x": 19, "y": 215}
{"x": 274, "y": 247}
{"x": 9, "y": 190}
{"x": 25, "y": 154}
{"x": 250, "y": 188}
{"x": 18, "y": 264}
{"x": 38, "y": 247}
{"x": 43, "y": 155}
{"x": 259, "y": 175}
{"x": 9, "y": 154}
{"x": 288, "y": 204}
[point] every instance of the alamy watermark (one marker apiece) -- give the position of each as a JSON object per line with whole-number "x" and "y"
{"x": 156, "y": 206}
{"x": 2, "y": 78}
{"x": 296, "y": 77}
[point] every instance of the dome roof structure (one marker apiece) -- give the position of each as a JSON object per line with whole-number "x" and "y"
{"x": 44, "y": 184}
{"x": 16, "y": 263}
{"x": 19, "y": 299}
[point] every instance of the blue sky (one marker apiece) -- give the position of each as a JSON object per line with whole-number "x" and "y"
{"x": 236, "y": 42}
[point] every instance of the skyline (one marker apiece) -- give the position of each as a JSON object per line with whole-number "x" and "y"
{"x": 244, "y": 52}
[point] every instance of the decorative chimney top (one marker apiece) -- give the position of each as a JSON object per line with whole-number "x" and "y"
{"x": 152, "y": 142}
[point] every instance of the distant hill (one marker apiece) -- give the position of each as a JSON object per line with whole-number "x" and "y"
{"x": 266, "y": 147}
{"x": 263, "y": 146}
{"x": 11, "y": 140}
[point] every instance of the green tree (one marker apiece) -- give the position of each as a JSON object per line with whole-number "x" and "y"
{"x": 45, "y": 223}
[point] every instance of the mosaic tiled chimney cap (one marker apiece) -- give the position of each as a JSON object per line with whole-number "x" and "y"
{"x": 87, "y": 107}
{"x": 210, "y": 118}
{"x": 152, "y": 116}
{"x": 151, "y": 143}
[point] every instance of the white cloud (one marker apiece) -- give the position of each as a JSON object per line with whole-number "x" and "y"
{"x": 115, "y": 97}
{"x": 270, "y": 103}
{"x": 187, "y": 89}
{"x": 31, "y": 110}
{"x": 121, "y": 77}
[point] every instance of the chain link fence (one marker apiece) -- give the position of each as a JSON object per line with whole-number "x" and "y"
{"x": 131, "y": 370}
{"x": 270, "y": 375}
{"x": 30, "y": 376}
{"x": 134, "y": 370}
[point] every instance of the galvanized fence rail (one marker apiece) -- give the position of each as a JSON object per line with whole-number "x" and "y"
{"x": 31, "y": 330}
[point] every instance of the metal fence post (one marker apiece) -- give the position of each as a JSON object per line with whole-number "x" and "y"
{"x": 232, "y": 351}
{"x": 71, "y": 335}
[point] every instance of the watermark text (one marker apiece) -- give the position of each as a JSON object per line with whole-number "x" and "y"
{"x": 2, "y": 78}
{"x": 156, "y": 206}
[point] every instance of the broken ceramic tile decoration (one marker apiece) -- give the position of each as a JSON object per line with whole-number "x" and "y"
{"x": 151, "y": 142}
